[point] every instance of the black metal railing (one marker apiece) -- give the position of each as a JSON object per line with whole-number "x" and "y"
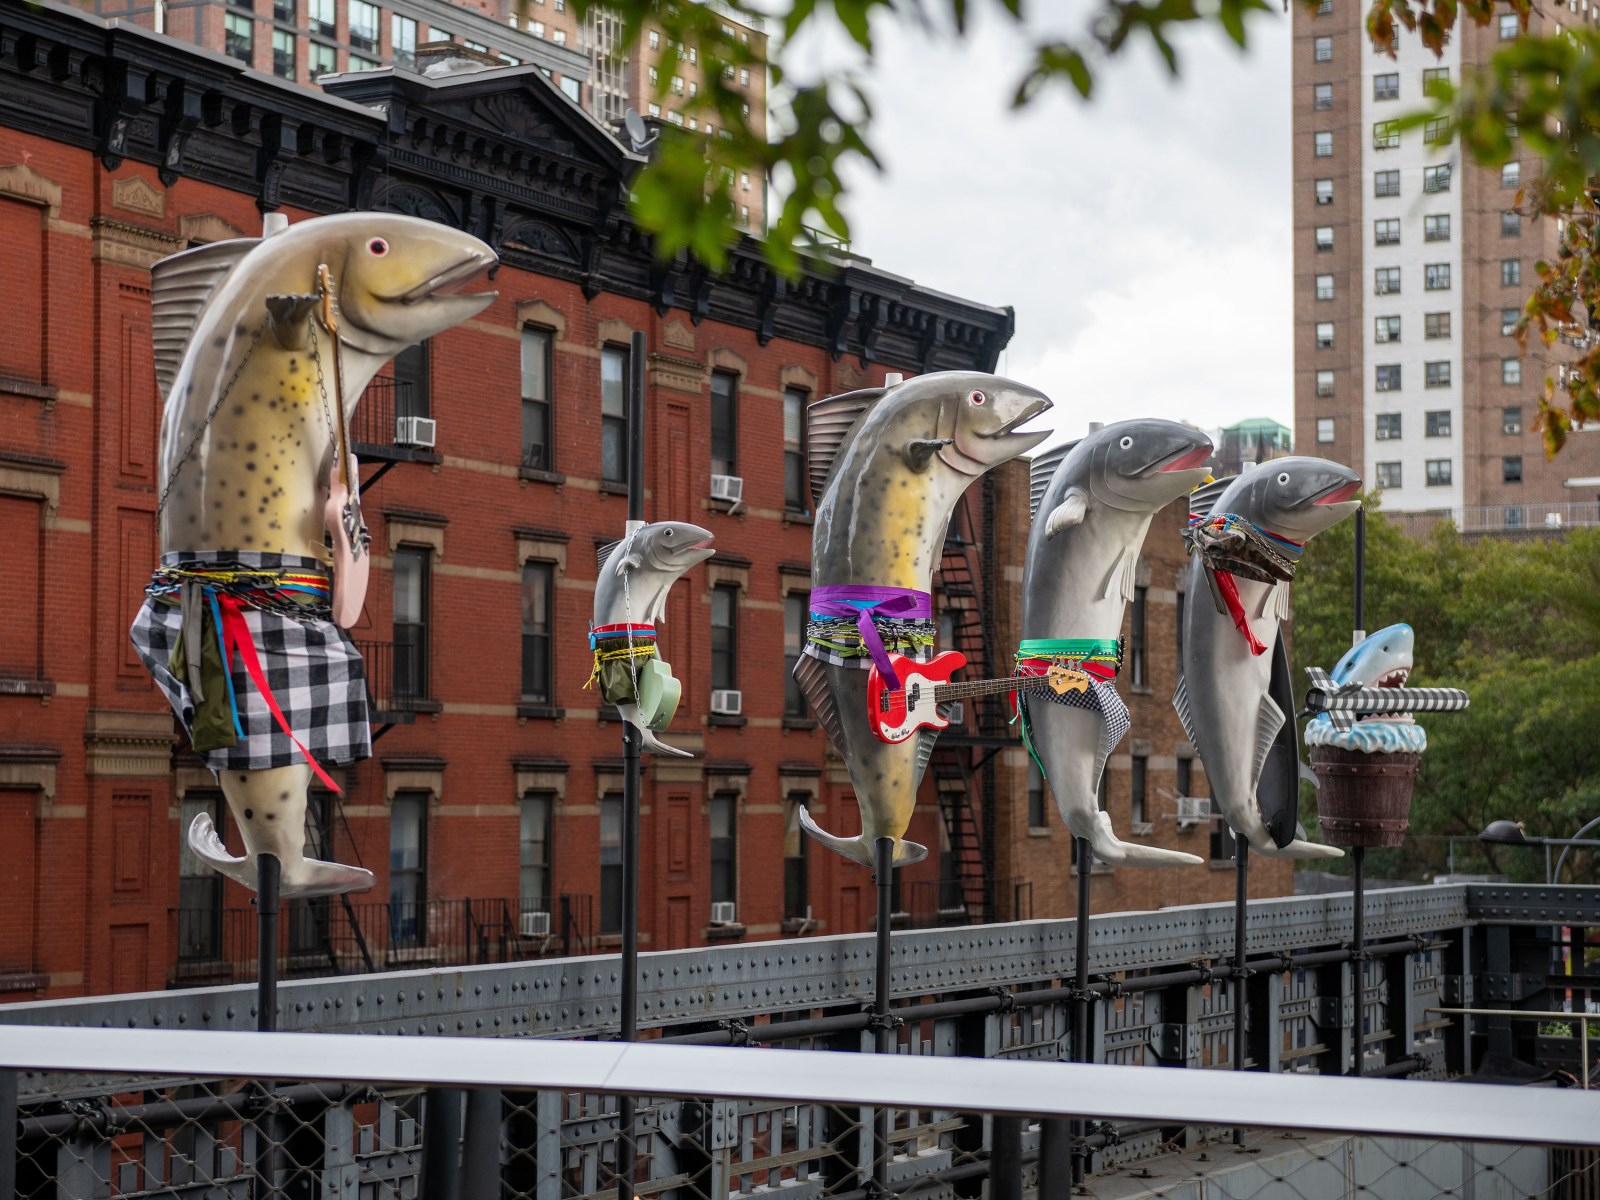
{"x": 392, "y": 672}
{"x": 373, "y": 425}
{"x": 930, "y": 903}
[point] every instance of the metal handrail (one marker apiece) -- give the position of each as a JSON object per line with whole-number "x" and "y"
{"x": 1582, "y": 1018}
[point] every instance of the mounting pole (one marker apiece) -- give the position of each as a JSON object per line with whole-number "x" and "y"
{"x": 882, "y": 1022}
{"x": 1358, "y": 854}
{"x": 1241, "y": 973}
{"x": 1082, "y": 1008}
{"x": 269, "y": 871}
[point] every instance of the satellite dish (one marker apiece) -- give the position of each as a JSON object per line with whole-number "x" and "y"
{"x": 639, "y": 134}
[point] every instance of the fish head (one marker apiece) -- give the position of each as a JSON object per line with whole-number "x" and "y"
{"x": 396, "y": 276}
{"x": 667, "y": 547}
{"x": 1381, "y": 659}
{"x": 978, "y": 414}
{"x": 1144, "y": 465}
{"x": 1295, "y": 497}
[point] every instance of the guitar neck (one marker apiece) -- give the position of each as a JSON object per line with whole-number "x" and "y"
{"x": 989, "y": 687}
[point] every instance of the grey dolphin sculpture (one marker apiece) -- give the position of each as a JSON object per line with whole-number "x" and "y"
{"x": 887, "y": 467}
{"x": 1092, "y": 507}
{"x": 635, "y": 576}
{"x": 1237, "y": 704}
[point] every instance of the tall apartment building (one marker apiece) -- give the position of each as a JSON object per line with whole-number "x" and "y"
{"x": 1411, "y": 267}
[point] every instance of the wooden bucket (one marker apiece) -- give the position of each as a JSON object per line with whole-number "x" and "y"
{"x": 1363, "y": 799}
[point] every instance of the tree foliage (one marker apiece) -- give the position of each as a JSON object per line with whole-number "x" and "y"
{"x": 1516, "y": 622}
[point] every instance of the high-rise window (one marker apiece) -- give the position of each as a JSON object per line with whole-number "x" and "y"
{"x": 403, "y": 39}
{"x": 1511, "y": 370}
{"x": 199, "y": 887}
{"x": 1324, "y": 335}
{"x": 1438, "y": 423}
{"x": 1436, "y": 227}
{"x": 534, "y": 853}
{"x": 1511, "y": 175}
{"x": 1324, "y": 430}
{"x": 796, "y": 873}
{"x": 1386, "y": 135}
{"x": 1438, "y": 472}
{"x": 1434, "y": 75}
{"x": 1436, "y": 374}
{"x": 1322, "y": 96}
{"x": 321, "y": 18}
{"x": 794, "y": 449}
{"x": 1386, "y": 281}
{"x": 611, "y": 863}
{"x": 1436, "y": 179}
{"x": 1436, "y": 277}
{"x": 725, "y": 636}
{"x": 1138, "y": 676}
{"x": 238, "y": 37}
{"x": 1510, "y": 271}
{"x": 1508, "y": 320}
{"x": 1388, "y": 427}
{"x": 1436, "y": 325}
{"x": 1324, "y": 287}
{"x": 364, "y": 18}
{"x": 795, "y": 615}
{"x": 411, "y": 581}
{"x": 1324, "y": 237}
{"x": 1436, "y": 132}
{"x": 408, "y": 870}
{"x": 1322, "y": 49}
{"x": 324, "y": 59}
{"x": 1389, "y": 475}
{"x": 1386, "y": 86}
{"x": 536, "y": 346}
{"x": 1386, "y": 183}
{"x": 1140, "y": 766}
{"x": 1511, "y": 469}
{"x": 1386, "y": 329}
{"x": 1324, "y": 191}
{"x": 1386, "y": 231}
{"x": 1324, "y": 383}
{"x": 1184, "y": 780}
{"x": 1511, "y": 419}
{"x": 1510, "y": 26}
{"x": 538, "y": 608}
{"x": 724, "y": 847}
{"x": 724, "y": 423}
{"x": 283, "y": 54}
{"x": 1322, "y": 144}
{"x": 614, "y": 414}
{"x": 1388, "y": 377}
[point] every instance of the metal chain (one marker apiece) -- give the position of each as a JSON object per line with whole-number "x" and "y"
{"x": 322, "y": 386}
{"x": 216, "y": 407}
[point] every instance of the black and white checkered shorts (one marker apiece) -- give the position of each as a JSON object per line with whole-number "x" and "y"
{"x": 316, "y": 674}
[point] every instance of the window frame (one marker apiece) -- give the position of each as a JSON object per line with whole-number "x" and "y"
{"x": 542, "y": 647}
{"x": 1386, "y": 183}
{"x": 1438, "y": 472}
{"x": 725, "y": 657}
{"x": 1438, "y": 423}
{"x": 409, "y": 881}
{"x": 412, "y": 683}
{"x": 540, "y": 408}
{"x": 724, "y": 412}
{"x": 1326, "y": 431}
{"x": 543, "y": 868}
{"x": 725, "y": 803}
{"x": 1436, "y": 326}
{"x": 614, "y": 426}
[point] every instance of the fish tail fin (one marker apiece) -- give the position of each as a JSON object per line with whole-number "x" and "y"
{"x": 208, "y": 847}
{"x": 1298, "y": 848}
{"x": 1109, "y": 848}
{"x": 655, "y": 745}
{"x": 308, "y": 877}
{"x": 907, "y": 852}
{"x": 859, "y": 849}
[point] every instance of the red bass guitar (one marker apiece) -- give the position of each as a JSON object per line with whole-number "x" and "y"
{"x": 897, "y": 714}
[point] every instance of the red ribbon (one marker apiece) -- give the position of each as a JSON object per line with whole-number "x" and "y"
{"x": 1230, "y": 597}
{"x": 236, "y": 636}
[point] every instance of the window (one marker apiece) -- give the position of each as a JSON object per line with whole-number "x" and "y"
{"x": 1324, "y": 436}
{"x": 1388, "y": 427}
{"x": 403, "y": 39}
{"x": 283, "y": 54}
{"x": 694, "y": 55}
{"x": 1324, "y": 335}
{"x": 796, "y": 876}
{"x": 1386, "y": 329}
{"x": 536, "y": 344}
{"x": 1436, "y": 132}
{"x": 655, "y": 110}
{"x": 1324, "y": 7}
{"x": 655, "y": 39}
{"x": 1324, "y": 287}
{"x": 654, "y": 76}
{"x": 1510, "y": 271}
{"x": 1324, "y": 191}
{"x": 559, "y": 37}
{"x": 364, "y": 18}
{"x": 1386, "y": 135}
{"x": 320, "y": 16}
{"x": 1322, "y": 96}
{"x": 1324, "y": 238}
{"x": 694, "y": 90}
{"x": 1438, "y": 472}
{"x": 744, "y": 76}
{"x": 724, "y": 847}
{"x": 614, "y": 414}
{"x": 1322, "y": 49}
{"x": 1139, "y": 774}
{"x": 724, "y": 636}
{"x": 1511, "y": 469}
{"x": 324, "y": 60}
{"x": 285, "y": 11}
{"x": 1389, "y": 377}
{"x": 1389, "y": 475}
{"x": 1509, "y": 26}
{"x": 199, "y": 887}
{"x": 1386, "y": 231}
{"x": 1436, "y": 277}
{"x": 1436, "y": 228}
{"x": 1386, "y": 281}
{"x": 1322, "y": 144}
{"x": 533, "y": 888}
{"x": 1439, "y": 423}
{"x": 538, "y": 611}
{"x": 411, "y": 381}
{"x": 1436, "y": 325}
{"x": 1510, "y": 224}
{"x": 724, "y": 423}
{"x": 1386, "y": 87}
{"x": 1138, "y": 675}
{"x": 1436, "y": 374}
{"x": 677, "y": 85}
{"x": 1324, "y": 383}
{"x": 1511, "y": 419}
{"x": 744, "y": 216}
{"x": 1511, "y": 370}
{"x": 410, "y": 623}
{"x": 1511, "y": 175}
{"x": 238, "y": 37}
{"x": 1508, "y": 320}
{"x": 796, "y": 613}
{"x": 1436, "y": 179}
{"x": 795, "y": 496}
{"x": 1386, "y": 183}
{"x": 358, "y": 63}
{"x": 611, "y": 863}
{"x": 1432, "y": 76}
{"x": 408, "y": 870}
{"x": 1515, "y": 517}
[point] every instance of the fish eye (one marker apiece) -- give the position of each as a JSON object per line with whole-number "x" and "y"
{"x": 977, "y": 398}
{"x": 1283, "y": 478}
{"x": 377, "y": 247}
{"x": 1126, "y": 443}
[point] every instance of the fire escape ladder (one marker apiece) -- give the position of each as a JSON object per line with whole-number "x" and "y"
{"x": 962, "y": 883}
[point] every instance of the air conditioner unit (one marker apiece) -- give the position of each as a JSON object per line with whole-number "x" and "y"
{"x": 415, "y": 431}
{"x": 534, "y": 924}
{"x": 726, "y": 702}
{"x": 723, "y": 912}
{"x": 727, "y": 487}
{"x": 1192, "y": 811}
{"x": 1552, "y": 520}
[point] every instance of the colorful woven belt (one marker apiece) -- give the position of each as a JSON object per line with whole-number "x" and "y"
{"x": 1098, "y": 657}
{"x": 852, "y": 623}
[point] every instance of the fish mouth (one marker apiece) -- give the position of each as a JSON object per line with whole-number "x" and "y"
{"x": 1392, "y": 679}
{"x": 1186, "y": 460}
{"x": 450, "y": 280}
{"x": 1337, "y": 493}
{"x": 1033, "y": 409}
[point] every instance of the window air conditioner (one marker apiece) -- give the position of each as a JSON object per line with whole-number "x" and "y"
{"x": 1192, "y": 810}
{"x": 723, "y": 912}
{"x": 534, "y": 924}
{"x": 726, "y": 702}
{"x": 415, "y": 431}
{"x": 727, "y": 487}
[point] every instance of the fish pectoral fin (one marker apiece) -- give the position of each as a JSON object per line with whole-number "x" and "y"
{"x": 1269, "y": 720}
{"x": 919, "y": 452}
{"x": 208, "y": 848}
{"x": 1274, "y": 604}
{"x": 1307, "y": 774}
{"x": 1124, "y": 577}
{"x": 1180, "y": 702}
{"x": 1071, "y": 511}
{"x": 906, "y": 853}
{"x": 855, "y": 849}
{"x": 291, "y": 319}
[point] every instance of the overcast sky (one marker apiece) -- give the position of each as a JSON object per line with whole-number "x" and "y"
{"x": 1143, "y": 238}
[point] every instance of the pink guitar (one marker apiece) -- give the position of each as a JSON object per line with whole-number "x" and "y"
{"x": 896, "y": 715}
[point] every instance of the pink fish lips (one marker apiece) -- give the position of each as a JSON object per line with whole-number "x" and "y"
{"x": 1186, "y": 462}
{"x": 1340, "y": 494}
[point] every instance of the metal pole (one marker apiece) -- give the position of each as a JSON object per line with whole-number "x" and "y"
{"x": 480, "y": 1147}
{"x": 882, "y": 1020}
{"x": 1567, "y": 848}
{"x": 441, "y": 1143}
{"x": 1360, "y": 576}
{"x": 268, "y": 873}
{"x": 627, "y": 1152}
{"x": 1358, "y": 958}
{"x": 1241, "y": 972}
{"x": 8, "y": 1132}
{"x": 1081, "y": 1041}
{"x": 1005, "y": 1161}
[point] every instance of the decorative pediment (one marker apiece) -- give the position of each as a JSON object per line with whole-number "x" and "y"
{"x": 518, "y": 115}
{"x": 417, "y": 202}
{"x": 537, "y": 237}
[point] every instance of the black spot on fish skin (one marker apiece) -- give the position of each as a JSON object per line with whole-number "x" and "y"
{"x": 251, "y": 447}
{"x": 250, "y": 466}
{"x": 238, "y": 410}
{"x": 272, "y": 816}
{"x": 249, "y": 814}
{"x": 294, "y": 366}
{"x": 243, "y": 778}
{"x": 218, "y": 342}
{"x": 283, "y": 795}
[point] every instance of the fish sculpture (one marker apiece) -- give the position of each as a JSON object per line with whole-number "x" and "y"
{"x": 887, "y": 468}
{"x": 1235, "y": 696}
{"x": 263, "y": 348}
{"x": 630, "y": 600}
{"x": 1093, "y": 502}
{"x": 1364, "y": 705}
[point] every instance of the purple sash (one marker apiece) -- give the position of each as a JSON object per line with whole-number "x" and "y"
{"x": 861, "y": 603}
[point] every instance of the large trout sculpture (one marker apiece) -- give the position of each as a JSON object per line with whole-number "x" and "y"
{"x": 887, "y": 467}
{"x": 263, "y": 348}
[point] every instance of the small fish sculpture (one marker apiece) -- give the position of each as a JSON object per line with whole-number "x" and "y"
{"x": 887, "y": 468}
{"x": 1235, "y": 696}
{"x": 630, "y": 601}
{"x": 263, "y": 348}
{"x": 1093, "y": 501}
